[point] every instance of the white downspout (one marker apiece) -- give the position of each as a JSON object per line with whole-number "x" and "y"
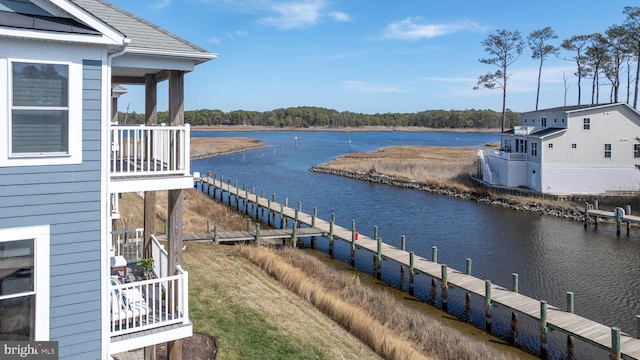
{"x": 105, "y": 227}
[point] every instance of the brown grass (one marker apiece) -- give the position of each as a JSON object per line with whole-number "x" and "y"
{"x": 208, "y": 147}
{"x": 368, "y": 313}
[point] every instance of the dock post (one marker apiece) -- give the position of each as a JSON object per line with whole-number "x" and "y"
{"x": 445, "y": 288}
{"x": 237, "y": 196}
{"x": 487, "y": 306}
{"x": 286, "y": 221}
{"x": 619, "y": 213}
{"x": 514, "y": 315}
{"x": 248, "y": 224}
{"x": 586, "y": 214}
{"x": 208, "y": 225}
{"x": 403, "y": 246}
{"x": 628, "y": 212}
{"x": 379, "y": 259}
{"x": 333, "y": 219}
{"x": 615, "y": 343}
{"x": 294, "y": 236}
{"x": 229, "y": 192}
{"x": 215, "y": 233}
{"x": 281, "y": 216}
{"x": 411, "y": 272}
{"x": 262, "y": 208}
{"x": 467, "y": 302}
{"x": 256, "y": 208}
{"x": 313, "y": 224}
{"x": 353, "y": 243}
{"x": 375, "y": 255}
{"x": 273, "y": 213}
{"x": 269, "y": 212}
{"x": 298, "y": 210}
{"x": 434, "y": 284}
{"x": 258, "y": 241}
{"x": 595, "y": 204}
{"x": 246, "y": 199}
{"x": 543, "y": 329}
{"x": 570, "y": 309}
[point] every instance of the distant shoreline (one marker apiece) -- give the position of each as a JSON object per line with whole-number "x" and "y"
{"x": 251, "y": 128}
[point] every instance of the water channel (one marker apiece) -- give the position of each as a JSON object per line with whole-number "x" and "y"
{"x": 551, "y": 256}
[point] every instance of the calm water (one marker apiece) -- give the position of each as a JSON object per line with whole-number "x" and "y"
{"x": 551, "y": 256}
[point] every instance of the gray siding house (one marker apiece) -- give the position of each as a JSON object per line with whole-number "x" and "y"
{"x": 585, "y": 149}
{"x": 63, "y": 162}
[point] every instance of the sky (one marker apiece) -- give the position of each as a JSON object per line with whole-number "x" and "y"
{"x": 369, "y": 56}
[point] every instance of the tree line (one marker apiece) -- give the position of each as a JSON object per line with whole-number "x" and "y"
{"x": 309, "y": 116}
{"x": 605, "y": 59}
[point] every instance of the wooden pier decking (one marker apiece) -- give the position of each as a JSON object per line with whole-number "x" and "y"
{"x": 619, "y": 215}
{"x": 611, "y": 339}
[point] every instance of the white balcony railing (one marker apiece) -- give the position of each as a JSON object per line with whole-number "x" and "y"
{"x": 128, "y": 243}
{"x": 140, "y": 150}
{"x": 149, "y": 304}
{"x": 506, "y": 155}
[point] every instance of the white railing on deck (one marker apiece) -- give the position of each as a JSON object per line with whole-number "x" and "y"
{"x": 160, "y": 257}
{"x": 139, "y": 150}
{"x": 149, "y": 304}
{"x": 128, "y": 243}
{"x": 507, "y": 155}
{"x": 522, "y": 130}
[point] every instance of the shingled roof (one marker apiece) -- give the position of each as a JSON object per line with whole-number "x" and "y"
{"x": 143, "y": 34}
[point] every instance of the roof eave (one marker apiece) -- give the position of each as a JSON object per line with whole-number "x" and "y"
{"x": 198, "y": 57}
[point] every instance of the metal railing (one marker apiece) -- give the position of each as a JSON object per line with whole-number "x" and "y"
{"x": 139, "y": 150}
{"x": 149, "y": 304}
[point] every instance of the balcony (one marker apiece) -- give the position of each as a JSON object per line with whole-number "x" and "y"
{"x": 506, "y": 155}
{"x": 147, "y": 312}
{"x": 149, "y": 158}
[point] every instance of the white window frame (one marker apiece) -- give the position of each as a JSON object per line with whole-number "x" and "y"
{"x": 586, "y": 123}
{"x": 74, "y": 152}
{"x": 41, "y": 236}
{"x": 608, "y": 151}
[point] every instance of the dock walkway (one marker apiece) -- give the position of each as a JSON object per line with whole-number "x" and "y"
{"x": 611, "y": 339}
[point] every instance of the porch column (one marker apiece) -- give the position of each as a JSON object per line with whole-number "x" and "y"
{"x": 176, "y": 117}
{"x": 151, "y": 118}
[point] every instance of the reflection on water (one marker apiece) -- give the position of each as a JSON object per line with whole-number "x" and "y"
{"x": 551, "y": 256}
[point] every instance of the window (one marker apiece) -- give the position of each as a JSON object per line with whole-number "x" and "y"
{"x": 24, "y": 283}
{"x": 543, "y": 121}
{"x": 534, "y": 149}
{"x": 586, "y": 123}
{"x": 550, "y": 145}
{"x": 607, "y": 150}
{"x": 39, "y": 109}
{"x": 574, "y": 146}
{"x": 507, "y": 145}
{"x": 636, "y": 150}
{"x": 43, "y": 111}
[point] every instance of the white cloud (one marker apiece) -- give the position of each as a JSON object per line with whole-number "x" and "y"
{"x": 415, "y": 28}
{"x": 283, "y": 15}
{"x": 364, "y": 87}
{"x": 161, "y": 4}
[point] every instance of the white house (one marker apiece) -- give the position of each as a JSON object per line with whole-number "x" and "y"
{"x": 62, "y": 164}
{"x": 585, "y": 149}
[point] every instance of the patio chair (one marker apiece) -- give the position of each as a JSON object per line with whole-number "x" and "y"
{"x": 128, "y": 306}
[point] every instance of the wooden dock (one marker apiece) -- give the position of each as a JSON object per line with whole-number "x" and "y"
{"x": 619, "y": 215}
{"x": 275, "y": 236}
{"x": 611, "y": 339}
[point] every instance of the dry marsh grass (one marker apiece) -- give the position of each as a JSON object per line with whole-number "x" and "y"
{"x": 433, "y": 165}
{"x": 374, "y": 316}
